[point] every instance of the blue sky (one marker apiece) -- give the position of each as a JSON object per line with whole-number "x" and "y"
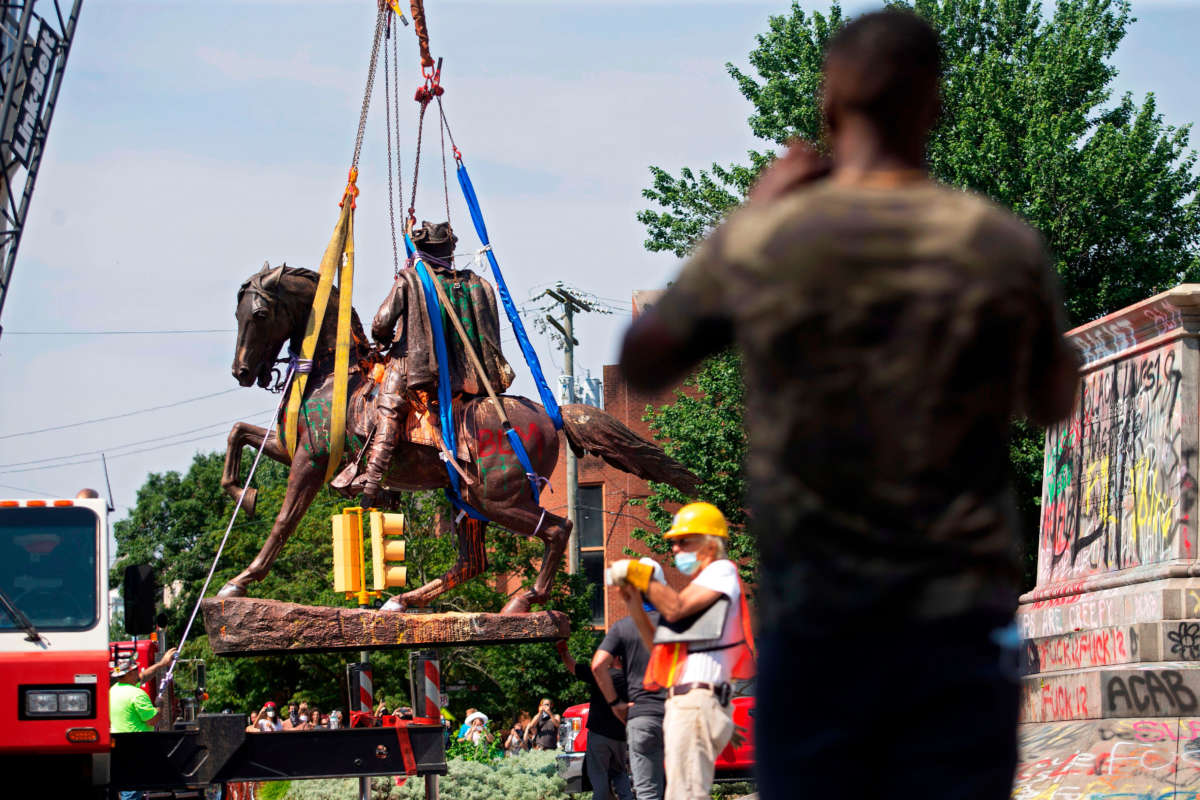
{"x": 194, "y": 141}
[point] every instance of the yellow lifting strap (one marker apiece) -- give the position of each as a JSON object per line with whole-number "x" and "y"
{"x": 339, "y": 250}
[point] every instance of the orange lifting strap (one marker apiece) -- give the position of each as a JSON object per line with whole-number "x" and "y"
{"x": 422, "y": 31}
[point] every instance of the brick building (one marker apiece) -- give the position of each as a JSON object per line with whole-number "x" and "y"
{"x": 605, "y": 517}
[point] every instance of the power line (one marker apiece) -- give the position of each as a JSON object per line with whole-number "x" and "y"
{"x": 118, "y": 455}
{"x": 27, "y": 491}
{"x": 109, "y": 450}
{"x": 118, "y": 416}
{"x": 117, "y": 333}
{"x": 168, "y": 444}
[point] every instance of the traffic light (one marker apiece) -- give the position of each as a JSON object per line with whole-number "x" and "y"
{"x": 386, "y": 548}
{"x": 348, "y": 552}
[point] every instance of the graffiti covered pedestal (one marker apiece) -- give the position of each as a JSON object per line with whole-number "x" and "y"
{"x": 1110, "y": 659}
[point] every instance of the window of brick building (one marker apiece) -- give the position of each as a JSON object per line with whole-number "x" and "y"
{"x": 589, "y": 514}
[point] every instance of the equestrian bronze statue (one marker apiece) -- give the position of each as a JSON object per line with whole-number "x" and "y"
{"x": 273, "y": 309}
{"x": 402, "y": 327}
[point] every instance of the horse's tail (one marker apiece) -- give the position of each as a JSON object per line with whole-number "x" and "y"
{"x": 591, "y": 430}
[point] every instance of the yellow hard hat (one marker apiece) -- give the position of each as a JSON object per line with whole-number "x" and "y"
{"x": 698, "y": 518}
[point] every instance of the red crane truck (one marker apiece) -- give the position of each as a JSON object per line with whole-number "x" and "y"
{"x": 54, "y": 681}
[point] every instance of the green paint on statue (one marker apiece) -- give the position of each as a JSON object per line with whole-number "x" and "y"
{"x": 317, "y": 418}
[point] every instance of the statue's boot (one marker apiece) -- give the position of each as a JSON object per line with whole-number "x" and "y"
{"x": 379, "y": 457}
{"x": 349, "y": 482}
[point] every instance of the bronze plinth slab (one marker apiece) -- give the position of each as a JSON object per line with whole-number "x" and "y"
{"x": 247, "y": 626}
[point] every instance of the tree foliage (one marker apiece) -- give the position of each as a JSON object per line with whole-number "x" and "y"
{"x": 177, "y": 524}
{"x": 1028, "y": 119}
{"x": 703, "y": 430}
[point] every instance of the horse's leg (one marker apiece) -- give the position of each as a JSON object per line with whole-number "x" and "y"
{"x": 240, "y": 435}
{"x": 472, "y": 561}
{"x": 553, "y": 530}
{"x": 304, "y": 481}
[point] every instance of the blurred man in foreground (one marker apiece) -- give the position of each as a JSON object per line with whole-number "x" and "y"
{"x": 890, "y": 328}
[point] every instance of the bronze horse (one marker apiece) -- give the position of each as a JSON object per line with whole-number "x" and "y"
{"x": 273, "y": 308}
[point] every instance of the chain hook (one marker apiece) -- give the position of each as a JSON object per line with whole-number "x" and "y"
{"x": 433, "y": 84}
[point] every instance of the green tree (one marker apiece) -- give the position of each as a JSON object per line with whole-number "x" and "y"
{"x": 1028, "y": 119}
{"x": 703, "y": 430}
{"x": 176, "y": 526}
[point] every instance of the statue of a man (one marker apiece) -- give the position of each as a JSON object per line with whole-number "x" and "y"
{"x": 403, "y": 323}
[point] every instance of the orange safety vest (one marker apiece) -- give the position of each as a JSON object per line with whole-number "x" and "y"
{"x": 667, "y": 660}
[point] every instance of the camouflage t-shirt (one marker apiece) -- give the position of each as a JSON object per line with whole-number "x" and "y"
{"x": 888, "y": 336}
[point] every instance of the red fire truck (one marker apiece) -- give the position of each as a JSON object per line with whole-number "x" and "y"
{"x": 54, "y": 682}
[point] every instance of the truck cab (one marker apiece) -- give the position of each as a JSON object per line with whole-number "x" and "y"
{"x": 54, "y": 649}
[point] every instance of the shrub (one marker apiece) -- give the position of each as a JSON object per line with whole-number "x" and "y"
{"x": 331, "y": 789}
{"x": 730, "y": 791}
{"x": 275, "y": 790}
{"x": 529, "y": 776}
{"x": 483, "y": 753}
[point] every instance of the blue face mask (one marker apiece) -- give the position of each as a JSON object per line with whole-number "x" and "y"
{"x": 687, "y": 563}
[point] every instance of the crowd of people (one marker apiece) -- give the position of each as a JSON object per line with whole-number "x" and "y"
{"x": 537, "y": 731}
{"x": 300, "y": 716}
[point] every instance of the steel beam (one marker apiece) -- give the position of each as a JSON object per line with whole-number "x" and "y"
{"x": 35, "y": 40}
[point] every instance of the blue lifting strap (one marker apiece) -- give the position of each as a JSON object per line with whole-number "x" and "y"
{"x": 535, "y": 366}
{"x": 445, "y": 409}
{"x": 519, "y": 448}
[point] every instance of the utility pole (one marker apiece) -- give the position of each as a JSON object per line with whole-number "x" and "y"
{"x": 571, "y": 302}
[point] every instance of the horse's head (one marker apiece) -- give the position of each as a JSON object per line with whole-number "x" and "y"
{"x": 262, "y": 327}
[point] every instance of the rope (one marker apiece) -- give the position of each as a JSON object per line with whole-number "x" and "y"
{"x": 221, "y": 548}
{"x": 380, "y": 21}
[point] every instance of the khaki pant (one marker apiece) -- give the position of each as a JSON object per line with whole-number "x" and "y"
{"x": 696, "y": 729}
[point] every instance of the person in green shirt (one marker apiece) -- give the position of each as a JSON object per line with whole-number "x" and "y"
{"x": 129, "y": 707}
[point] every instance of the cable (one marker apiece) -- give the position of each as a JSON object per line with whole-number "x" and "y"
{"x": 109, "y": 450}
{"x": 27, "y": 491}
{"x": 117, "y": 333}
{"x": 118, "y": 416}
{"x": 112, "y": 457}
{"x": 232, "y": 518}
{"x": 168, "y": 444}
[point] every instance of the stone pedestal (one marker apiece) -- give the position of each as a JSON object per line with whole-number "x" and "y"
{"x": 1111, "y": 653}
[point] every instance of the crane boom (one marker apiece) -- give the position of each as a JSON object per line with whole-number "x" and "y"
{"x": 35, "y": 39}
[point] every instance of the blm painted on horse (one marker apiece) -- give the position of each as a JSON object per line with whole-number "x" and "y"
{"x": 272, "y": 310}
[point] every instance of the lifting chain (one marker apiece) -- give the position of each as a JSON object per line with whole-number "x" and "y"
{"x": 387, "y": 104}
{"x": 380, "y": 22}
